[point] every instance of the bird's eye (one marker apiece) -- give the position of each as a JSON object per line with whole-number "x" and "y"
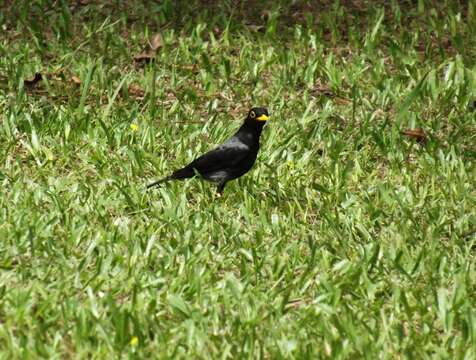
{"x": 252, "y": 114}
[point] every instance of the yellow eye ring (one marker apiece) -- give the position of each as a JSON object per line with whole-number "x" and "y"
{"x": 252, "y": 114}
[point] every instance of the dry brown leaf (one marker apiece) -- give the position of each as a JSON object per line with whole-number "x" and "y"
{"x": 266, "y": 15}
{"x": 217, "y": 31}
{"x": 418, "y": 134}
{"x": 156, "y": 42}
{"x": 190, "y": 67}
{"x": 323, "y": 89}
{"x": 360, "y": 5}
{"x": 76, "y": 80}
{"x": 147, "y": 55}
{"x": 144, "y": 57}
{"x": 136, "y": 91}
{"x": 342, "y": 101}
{"x": 171, "y": 96}
{"x": 256, "y": 28}
{"x": 31, "y": 83}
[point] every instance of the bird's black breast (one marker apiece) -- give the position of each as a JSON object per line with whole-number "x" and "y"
{"x": 243, "y": 166}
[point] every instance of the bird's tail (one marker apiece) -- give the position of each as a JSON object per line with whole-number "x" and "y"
{"x": 158, "y": 182}
{"x": 180, "y": 174}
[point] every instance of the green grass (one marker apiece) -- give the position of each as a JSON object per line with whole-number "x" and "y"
{"x": 346, "y": 240}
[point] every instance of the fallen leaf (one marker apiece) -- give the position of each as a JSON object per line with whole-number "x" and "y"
{"x": 190, "y": 67}
{"x": 156, "y": 42}
{"x": 144, "y": 57}
{"x": 256, "y": 28}
{"x": 217, "y": 31}
{"x": 76, "y": 80}
{"x": 323, "y": 89}
{"x": 31, "y": 83}
{"x": 266, "y": 15}
{"x": 170, "y": 96}
{"x": 342, "y": 101}
{"x": 136, "y": 91}
{"x": 147, "y": 55}
{"x": 418, "y": 134}
{"x": 361, "y": 6}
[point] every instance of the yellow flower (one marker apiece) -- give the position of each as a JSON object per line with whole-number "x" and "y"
{"x": 134, "y": 127}
{"x": 134, "y": 341}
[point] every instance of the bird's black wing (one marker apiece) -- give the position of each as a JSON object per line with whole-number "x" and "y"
{"x": 223, "y": 157}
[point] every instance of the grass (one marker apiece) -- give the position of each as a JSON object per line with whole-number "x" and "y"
{"x": 348, "y": 239}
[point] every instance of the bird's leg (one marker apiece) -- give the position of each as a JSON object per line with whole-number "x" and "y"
{"x": 220, "y": 187}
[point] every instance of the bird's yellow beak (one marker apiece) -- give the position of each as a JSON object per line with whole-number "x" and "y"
{"x": 262, "y": 118}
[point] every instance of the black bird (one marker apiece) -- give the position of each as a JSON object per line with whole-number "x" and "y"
{"x": 230, "y": 160}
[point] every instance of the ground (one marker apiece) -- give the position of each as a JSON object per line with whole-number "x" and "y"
{"x": 353, "y": 236}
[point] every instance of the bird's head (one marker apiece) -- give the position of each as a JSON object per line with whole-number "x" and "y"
{"x": 258, "y": 114}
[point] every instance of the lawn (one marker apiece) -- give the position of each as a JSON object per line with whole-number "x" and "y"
{"x": 354, "y": 235}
